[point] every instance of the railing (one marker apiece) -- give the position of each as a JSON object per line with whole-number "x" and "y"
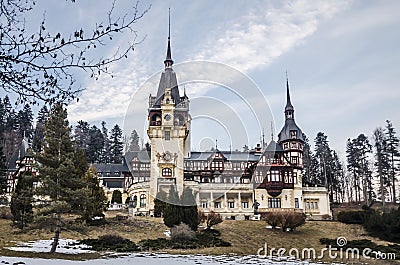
{"x": 225, "y": 186}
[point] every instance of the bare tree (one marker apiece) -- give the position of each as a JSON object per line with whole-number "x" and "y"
{"x": 40, "y": 66}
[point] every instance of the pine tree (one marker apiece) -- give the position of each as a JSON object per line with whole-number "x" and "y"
{"x": 61, "y": 182}
{"x": 81, "y": 135}
{"x": 134, "y": 142}
{"x": 172, "y": 212}
{"x": 394, "y": 155}
{"x": 38, "y": 136}
{"x": 189, "y": 209}
{"x": 25, "y": 123}
{"x": 116, "y": 144}
{"x": 96, "y": 145}
{"x": 95, "y": 199}
{"x": 382, "y": 162}
{"x": 22, "y": 201}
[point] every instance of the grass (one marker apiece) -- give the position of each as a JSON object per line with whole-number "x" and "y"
{"x": 246, "y": 237}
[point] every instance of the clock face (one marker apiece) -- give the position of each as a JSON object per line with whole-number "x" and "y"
{"x": 167, "y": 117}
{"x": 167, "y": 156}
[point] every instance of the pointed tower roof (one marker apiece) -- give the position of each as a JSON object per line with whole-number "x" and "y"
{"x": 168, "y": 76}
{"x": 290, "y": 124}
{"x": 168, "y": 59}
{"x": 289, "y": 105}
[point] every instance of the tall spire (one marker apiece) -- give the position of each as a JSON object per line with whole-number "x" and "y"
{"x": 168, "y": 60}
{"x": 289, "y": 110}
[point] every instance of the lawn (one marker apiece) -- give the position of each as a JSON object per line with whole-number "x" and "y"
{"x": 246, "y": 237}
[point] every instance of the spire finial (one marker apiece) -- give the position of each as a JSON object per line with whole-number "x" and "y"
{"x": 168, "y": 60}
{"x": 216, "y": 144}
{"x": 169, "y": 22}
{"x": 272, "y": 131}
{"x": 289, "y": 110}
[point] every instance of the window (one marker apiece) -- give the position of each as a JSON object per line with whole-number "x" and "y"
{"x": 231, "y": 204}
{"x": 274, "y": 175}
{"x": 142, "y": 201}
{"x": 245, "y": 205}
{"x": 217, "y": 165}
{"x": 293, "y": 145}
{"x": 294, "y": 177}
{"x": 167, "y": 135}
{"x": 274, "y": 202}
{"x": 285, "y": 146}
{"x": 294, "y": 160}
{"x": 217, "y": 205}
{"x": 204, "y": 204}
{"x": 296, "y": 203}
{"x": 293, "y": 134}
{"x": 166, "y": 172}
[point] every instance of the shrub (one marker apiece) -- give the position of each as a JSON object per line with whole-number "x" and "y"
{"x": 212, "y": 219}
{"x": 287, "y": 220}
{"x": 351, "y": 217}
{"x": 5, "y": 213}
{"x": 111, "y": 242}
{"x": 291, "y": 220}
{"x": 272, "y": 218}
{"x": 385, "y": 226}
{"x": 182, "y": 232}
{"x": 201, "y": 217}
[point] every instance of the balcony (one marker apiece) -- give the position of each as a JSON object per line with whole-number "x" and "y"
{"x": 274, "y": 188}
{"x": 226, "y": 186}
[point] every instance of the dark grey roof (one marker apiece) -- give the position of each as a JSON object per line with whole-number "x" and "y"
{"x": 168, "y": 80}
{"x": 230, "y": 156}
{"x": 289, "y": 105}
{"x": 142, "y": 155}
{"x": 274, "y": 147}
{"x": 111, "y": 167}
{"x": 290, "y": 125}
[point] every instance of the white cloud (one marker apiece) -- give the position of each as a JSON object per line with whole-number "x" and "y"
{"x": 254, "y": 40}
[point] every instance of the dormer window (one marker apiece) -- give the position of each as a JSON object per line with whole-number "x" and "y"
{"x": 293, "y": 134}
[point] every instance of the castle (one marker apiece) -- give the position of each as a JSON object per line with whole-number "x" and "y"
{"x": 238, "y": 185}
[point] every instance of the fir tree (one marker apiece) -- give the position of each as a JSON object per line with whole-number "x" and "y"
{"x": 134, "y": 142}
{"x": 38, "y": 136}
{"x": 106, "y": 152}
{"x": 172, "y": 212}
{"x": 95, "y": 199}
{"x": 60, "y": 178}
{"x": 96, "y": 145}
{"x": 382, "y": 162}
{"x": 160, "y": 203}
{"x": 116, "y": 144}
{"x": 22, "y": 201}
{"x": 394, "y": 155}
{"x": 189, "y": 209}
{"x": 25, "y": 123}
{"x": 116, "y": 197}
{"x": 81, "y": 135}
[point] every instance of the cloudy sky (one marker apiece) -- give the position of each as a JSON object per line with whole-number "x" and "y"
{"x": 342, "y": 59}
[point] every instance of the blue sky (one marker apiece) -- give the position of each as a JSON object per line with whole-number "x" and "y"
{"x": 342, "y": 58}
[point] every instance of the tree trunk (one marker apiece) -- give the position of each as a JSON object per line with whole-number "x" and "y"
{"x": 56, "y": 234}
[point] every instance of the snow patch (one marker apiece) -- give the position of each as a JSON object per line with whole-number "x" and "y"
{"x": 66, "y": 246}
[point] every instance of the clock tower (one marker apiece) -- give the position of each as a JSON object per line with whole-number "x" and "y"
{"x": 169, "y": 133}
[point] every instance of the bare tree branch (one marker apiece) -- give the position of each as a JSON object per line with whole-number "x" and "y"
{"x": 40, "y": 66}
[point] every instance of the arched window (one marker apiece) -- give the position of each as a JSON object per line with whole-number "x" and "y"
{"x": 142, "y": 201}
{"x": 134, "y": 201}
{"x": 166, "y": 172}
